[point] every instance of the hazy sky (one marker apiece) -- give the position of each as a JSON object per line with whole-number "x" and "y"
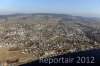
{"x": 75, "y": 7}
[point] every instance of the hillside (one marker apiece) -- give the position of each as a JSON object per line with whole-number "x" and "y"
{"x": 45, "y": 35}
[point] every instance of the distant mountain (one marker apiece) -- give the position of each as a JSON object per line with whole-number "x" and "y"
{"x": 64, "y": 17}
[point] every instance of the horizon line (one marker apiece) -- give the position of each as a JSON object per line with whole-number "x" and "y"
{"x": 47, "y": 13}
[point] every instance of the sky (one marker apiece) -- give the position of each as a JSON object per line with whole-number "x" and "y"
{"x": 73, "y": 7}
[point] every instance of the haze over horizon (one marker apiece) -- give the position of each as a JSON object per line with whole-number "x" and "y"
{"x": 73, "y": 7}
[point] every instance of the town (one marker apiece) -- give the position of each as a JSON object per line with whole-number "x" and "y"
{"x": 31, "y": 36}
